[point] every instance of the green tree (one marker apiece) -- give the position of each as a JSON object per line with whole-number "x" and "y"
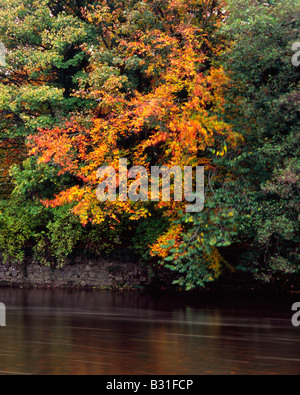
{"x": 264, "y": 103}
{"x": 251, "y": 217}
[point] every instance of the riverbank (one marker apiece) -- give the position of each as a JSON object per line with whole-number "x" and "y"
{"x": 97, "y": 273}
{"x": 107, "y": 274}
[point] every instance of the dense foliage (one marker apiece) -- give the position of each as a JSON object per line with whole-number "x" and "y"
{"x": 180, "y": 82}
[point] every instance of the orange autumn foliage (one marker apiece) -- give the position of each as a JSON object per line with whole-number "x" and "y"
{"x": 174, "y": 120}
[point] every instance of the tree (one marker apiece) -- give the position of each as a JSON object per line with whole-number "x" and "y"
{"x": 186, "y": 83}
{"x": 159, "y": 87}
{"x": 45, "y": 54}
{"x": 263, "y": 94}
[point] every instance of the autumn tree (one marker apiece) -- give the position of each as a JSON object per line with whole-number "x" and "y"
{"x": 180, "y": 82}
{"x": 44, "y": 56}
{"x": 45, "y": 45}
{"x": 158, "y": 85}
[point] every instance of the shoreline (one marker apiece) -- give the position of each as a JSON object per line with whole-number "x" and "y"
{"x": 215, "y": 290}
{"x": 115, "y": 276}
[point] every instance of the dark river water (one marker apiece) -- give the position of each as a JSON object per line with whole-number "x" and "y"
{"x": 67, "y": 332}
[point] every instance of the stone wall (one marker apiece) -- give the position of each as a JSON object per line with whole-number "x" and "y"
{"x": 98, "y": 273}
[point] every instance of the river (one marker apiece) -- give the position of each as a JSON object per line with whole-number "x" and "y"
{"x": 79, "y": 332}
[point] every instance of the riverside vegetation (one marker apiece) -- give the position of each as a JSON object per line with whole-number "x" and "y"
{"x": 161, "y": 83}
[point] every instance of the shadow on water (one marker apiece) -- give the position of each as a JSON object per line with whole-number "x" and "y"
{"x": 99, "y": 332}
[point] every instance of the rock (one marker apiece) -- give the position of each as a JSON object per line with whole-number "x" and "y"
{"x": 96, "y": 273}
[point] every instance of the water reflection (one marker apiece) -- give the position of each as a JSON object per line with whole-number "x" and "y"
{"x": 84, "y": 332}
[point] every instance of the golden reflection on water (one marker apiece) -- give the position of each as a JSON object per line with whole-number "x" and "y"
{"x": 64, "y": 332}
